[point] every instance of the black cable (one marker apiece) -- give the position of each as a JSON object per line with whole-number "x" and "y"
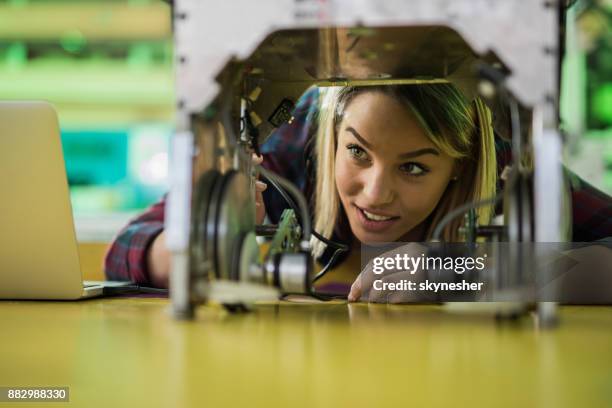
{"x": 301, "y": 205}
{"x": 333, "y": 244}
{"x": 327, "y": 297}
{"x": 327, "y": 266}
{"x": 284, "y": 194}
{"x": 462, "y": 209}
{"x": 294, "y": 207}
{"x": 146, "y": 289}
{"x": 119, "y": 290}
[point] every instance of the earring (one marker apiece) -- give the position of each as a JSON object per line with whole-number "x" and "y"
{"x": 455, "y": 178}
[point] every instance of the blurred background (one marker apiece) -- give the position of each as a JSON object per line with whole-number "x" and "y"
{"x": 586, "y": 91}
{"x": 107, "y": 67}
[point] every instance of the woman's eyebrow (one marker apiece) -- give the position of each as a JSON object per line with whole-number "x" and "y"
{"x": 403, "y": 156}
{"x": 420, "y": 152}
{"x": 358, "y": 137}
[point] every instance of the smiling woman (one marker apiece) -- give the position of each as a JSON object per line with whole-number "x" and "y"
{"x": 393, "y": 160}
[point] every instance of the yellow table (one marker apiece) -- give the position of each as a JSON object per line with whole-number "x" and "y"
{"x": 130, "y": 352}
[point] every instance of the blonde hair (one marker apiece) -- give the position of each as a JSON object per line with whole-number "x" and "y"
{"x": 461, "y": 129}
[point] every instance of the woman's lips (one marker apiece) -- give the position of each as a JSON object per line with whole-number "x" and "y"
{"x": 374, "y": 225}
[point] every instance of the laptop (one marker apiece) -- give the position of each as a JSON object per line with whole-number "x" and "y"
{"x": 39, "y": 256}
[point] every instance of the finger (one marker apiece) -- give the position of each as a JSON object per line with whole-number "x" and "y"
{"x": 260, "y": 186}
{"x": 355, "y": 292}
{"x": 256, "y": 159}
{"x": 260, "y": 213}
{"x": 260, "y": 208}
{"x": 259, "y": 197}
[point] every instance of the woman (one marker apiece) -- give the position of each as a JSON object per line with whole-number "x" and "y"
{"x": 393, "y": 160}
{"x": 390, "y": 161}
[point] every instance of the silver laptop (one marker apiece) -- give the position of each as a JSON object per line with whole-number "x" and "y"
{"x": 39, "y": 256}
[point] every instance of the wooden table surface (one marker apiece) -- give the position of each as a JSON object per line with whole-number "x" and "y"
{"x": 131, "y": 352}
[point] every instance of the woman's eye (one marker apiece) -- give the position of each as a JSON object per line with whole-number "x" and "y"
{"x": 414, "y": 169}
{"x": 357, "y": 152}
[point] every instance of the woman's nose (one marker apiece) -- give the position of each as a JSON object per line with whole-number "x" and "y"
{"x": 378, "y": 187}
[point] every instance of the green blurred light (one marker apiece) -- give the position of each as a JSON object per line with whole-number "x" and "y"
{"x": 141, "y": 55}
{"x": 602, "y": 104}
{"x": 73, "y": 41}
{"x": 16, "y": 55}
{"x": 18, "y": 3}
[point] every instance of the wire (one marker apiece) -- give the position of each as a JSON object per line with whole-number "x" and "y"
{"x": 119, "y": 290}
{"x": 327, "y": 266}
{"x": 145, "y": 289}
{"x": 327, "y": 297}
{"x": 462, "y": 209}
{"x": 294, "y": 207}
{"x": 333, "y": 244}
{"x": 301, "y": 207}
{"x": 284, "y": 194}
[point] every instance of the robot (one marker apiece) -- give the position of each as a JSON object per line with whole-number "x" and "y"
{"x": 240, "y": 67}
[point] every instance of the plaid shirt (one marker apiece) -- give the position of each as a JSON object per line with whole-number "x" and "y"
{"x": 126, "y": 259}
{"x": 287, "y": 152}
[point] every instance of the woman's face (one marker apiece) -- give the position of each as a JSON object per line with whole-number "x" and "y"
{"x": 389, "y": 175}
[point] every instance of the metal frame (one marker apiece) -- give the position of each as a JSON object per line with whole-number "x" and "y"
{"x": 210, "y": 37}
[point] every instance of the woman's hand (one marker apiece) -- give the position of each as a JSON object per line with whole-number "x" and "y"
{"x": 158, "y": 262}
{"x": 363, "y": 289}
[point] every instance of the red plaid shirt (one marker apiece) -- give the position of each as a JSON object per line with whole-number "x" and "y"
{"x": 127, "y": 257}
